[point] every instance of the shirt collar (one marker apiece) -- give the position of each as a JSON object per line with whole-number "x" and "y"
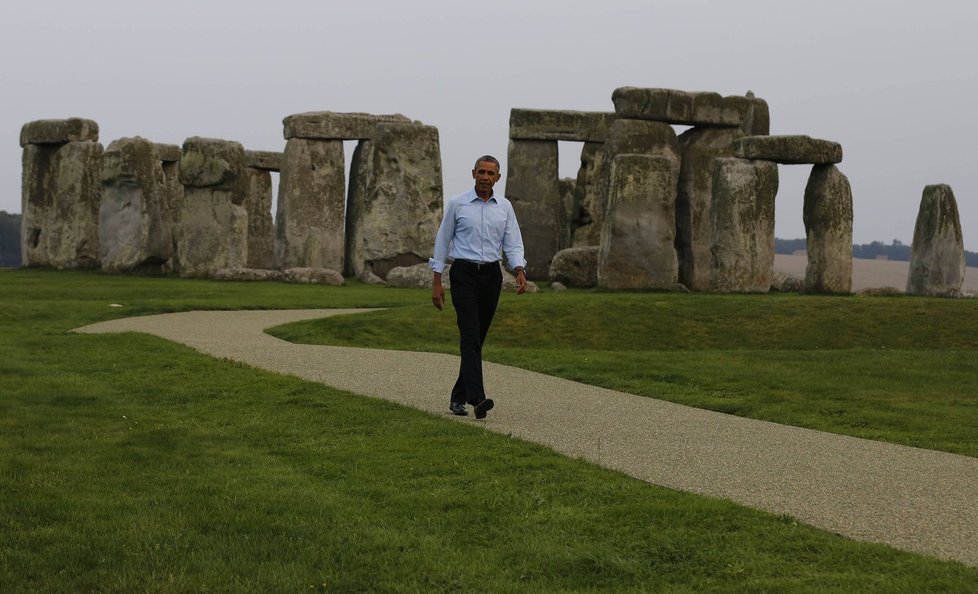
{"x": 475, "y": 196}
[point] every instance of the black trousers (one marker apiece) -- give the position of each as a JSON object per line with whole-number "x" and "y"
{"x": 475, "y": 294}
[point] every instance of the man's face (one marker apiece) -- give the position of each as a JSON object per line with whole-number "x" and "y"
{"x": 485, "y": 174}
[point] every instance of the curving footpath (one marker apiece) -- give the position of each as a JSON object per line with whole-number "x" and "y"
{"x": 912, "y": 499}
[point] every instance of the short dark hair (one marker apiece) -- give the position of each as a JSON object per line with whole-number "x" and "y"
{"x": 488, "y": 158}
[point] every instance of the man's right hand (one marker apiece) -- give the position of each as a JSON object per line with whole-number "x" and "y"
{"x": 437, "y": 292}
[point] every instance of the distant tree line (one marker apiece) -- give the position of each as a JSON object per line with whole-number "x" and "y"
{"x": 897, "y": 250}
{"x": 9, "y": 239}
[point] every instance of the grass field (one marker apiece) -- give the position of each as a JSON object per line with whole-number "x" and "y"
{"x": 128, "y": 463}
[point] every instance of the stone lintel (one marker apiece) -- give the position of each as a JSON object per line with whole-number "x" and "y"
{"x": 330, "y": 125}
{"x": 58, "y": 131}
{"x": 789, "y": 150}
{"x": 545, "y": 124}
{"x": 680, "y": 107}
{"x": 266, "y": 160}
{"x": 169, "y": 153}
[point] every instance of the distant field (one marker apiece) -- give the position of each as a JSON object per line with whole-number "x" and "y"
{"x": 868, "y": 274}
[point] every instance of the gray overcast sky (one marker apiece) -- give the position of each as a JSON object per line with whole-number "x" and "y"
{"x": 894, "y": 82}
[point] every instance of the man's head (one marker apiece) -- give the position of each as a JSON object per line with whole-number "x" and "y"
{"x": 486, "y": 174}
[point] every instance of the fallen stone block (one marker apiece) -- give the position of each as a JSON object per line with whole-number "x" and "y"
{"x": 576, "y": 266}
{"x": 313, "y": 276}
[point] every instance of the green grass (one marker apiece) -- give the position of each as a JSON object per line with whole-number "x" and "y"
{"x": 893, "y": 369}
{"x": 128, "y": 463}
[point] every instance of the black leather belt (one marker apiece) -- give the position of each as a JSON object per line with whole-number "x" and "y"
{"x": 480, "y": 266}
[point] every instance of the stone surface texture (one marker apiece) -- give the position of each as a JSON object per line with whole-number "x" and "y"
{"x": 587, "y": 212}
{"x": 58, "y": 131}
{"x": 331, "y": 125}
{"x": 699, "y": 146}
{"x": 313, "y": 276}
{"x": 309, "y": 227}
{"x": 638, "y": 242}
{"x": 542, "y": 124}
{"x": 265, "y": 160}
{"x": 213, "y": 226}
{"x": 790, "y": 150}
{"x": 680, "y": 107}
{"x": 639, "y": 137}
{"x": 828, "y": 229}
{"x": 261, "y": 227}
{"x": 743, "y": 225}
{"x": 937, "y": 255}
{"x": 395, "y": 199}
{"x": 60, "y": 197}
{"x": 171, "y": 201}
{"x": 248, "y": 274}
{"x": 168, "y": 153}
{"x": 576, "y": 266}
{"x": 133, "y": 236}
{"x": 418, "y": 276}
{"x": 533, "y": 186}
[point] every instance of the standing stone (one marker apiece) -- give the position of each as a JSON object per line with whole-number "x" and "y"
{"x": 171, "y": 201}
{"x": 743, "y": 225}
{"x": 937, "y": 256}
{"x": 589, "y": 203}
{"x": 132, "y": 234}
{"x": 395, "y": 200}
{"x": 213, "y": 220}
{"x": 828, "y": 227}
{"x": 533, "y": 187}
{"x": 637, "y": 246}
{"x": 309, "y": 227}
{"x": 261, "y": 227}
{"x": 640, "y": 137}
{"x": 700, "y": 147}
{"x": 60, "y": 193}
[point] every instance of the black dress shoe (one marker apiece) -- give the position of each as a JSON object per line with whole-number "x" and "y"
{"x": 457, "y": 408}
{"x": 483, "y": 407}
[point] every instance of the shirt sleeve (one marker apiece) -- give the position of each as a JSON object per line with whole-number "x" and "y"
{"x": 443, "y": 239}
{"x": 513, "y": 241}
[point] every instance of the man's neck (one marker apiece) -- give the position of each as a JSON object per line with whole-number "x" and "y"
{"x": 484, "y": 197}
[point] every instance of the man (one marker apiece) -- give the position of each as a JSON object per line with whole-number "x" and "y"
{"x": 479, "y": 226}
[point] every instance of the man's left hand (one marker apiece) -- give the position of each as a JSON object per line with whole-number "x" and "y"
{"x": 520, "y": 282}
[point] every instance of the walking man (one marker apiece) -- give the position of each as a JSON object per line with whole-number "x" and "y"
{"x": 479, "y": 226}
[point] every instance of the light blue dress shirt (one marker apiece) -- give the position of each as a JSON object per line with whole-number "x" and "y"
{"x": 478, "y": 231}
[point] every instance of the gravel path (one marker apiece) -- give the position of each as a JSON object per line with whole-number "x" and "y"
{"x": 912, "y": 499}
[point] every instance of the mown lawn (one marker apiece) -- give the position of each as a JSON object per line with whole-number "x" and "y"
{"x": 128, "y": 463}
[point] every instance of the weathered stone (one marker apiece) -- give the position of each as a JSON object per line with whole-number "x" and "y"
{"x": 828, "y": 227}
{"x": 132, "y": 234}
{"x": 313, "y": 276}
{"x": 638, "y": 242}
{"x": 557, "y": 287}
{"x": 785, "y": 283}
{"x": 247, "y": 274}
{"x": 171, "y": 201}
{"x": 790, "y": 150}
{"x": 169, "y": 153}
{"x": 576, "y": 266}
{"x": 395, "y": 199}
{"x": 309, "y": 227}
{"x": 680, "y": 107}
{"x": 212, "y": 163}
{"x": 880, "y": 292}
{"x": 370, "y": 278}
{"x": 266, "y": 160}
{"x": 757, "y": 120}
{"x": 743, "y": 225}
{"x": 700, "y": 147}
{"x": 213, "y": 227}
{"x": 937, "y": 255}
{"x": 58, "y": 131}
{"x": 261, "y": 227}
{"x": 510, "y": 285}
{"x": 588, "y": 206}
{"x": 60, "y": 195}
{"x": 330, "y": 125}
{"x": 542, "y": 124}
{"x": 533, "y": 187}
{"x": 638, "y": 137}
{"x": 418, "y": 276}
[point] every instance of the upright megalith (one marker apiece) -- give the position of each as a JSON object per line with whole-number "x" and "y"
{"x": 310, "y": 222}
{"x": 259, "y": 166}
{"x": 171, "y": 200}
{"x": 699, "y": 146}
{"x": 133, "y": 236}
{"x": 743, "y": 225}
{"x": 533, "y": 186}
{"x": 213, "y": 228}
{"x": 587, "y": 211}
{"x": 828, "y": 228}
{"x": 937, "y": 255}
{"x": 395, "y": 199}
{"x": 60, "y": 193}
{"x": 637, "y": 245}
